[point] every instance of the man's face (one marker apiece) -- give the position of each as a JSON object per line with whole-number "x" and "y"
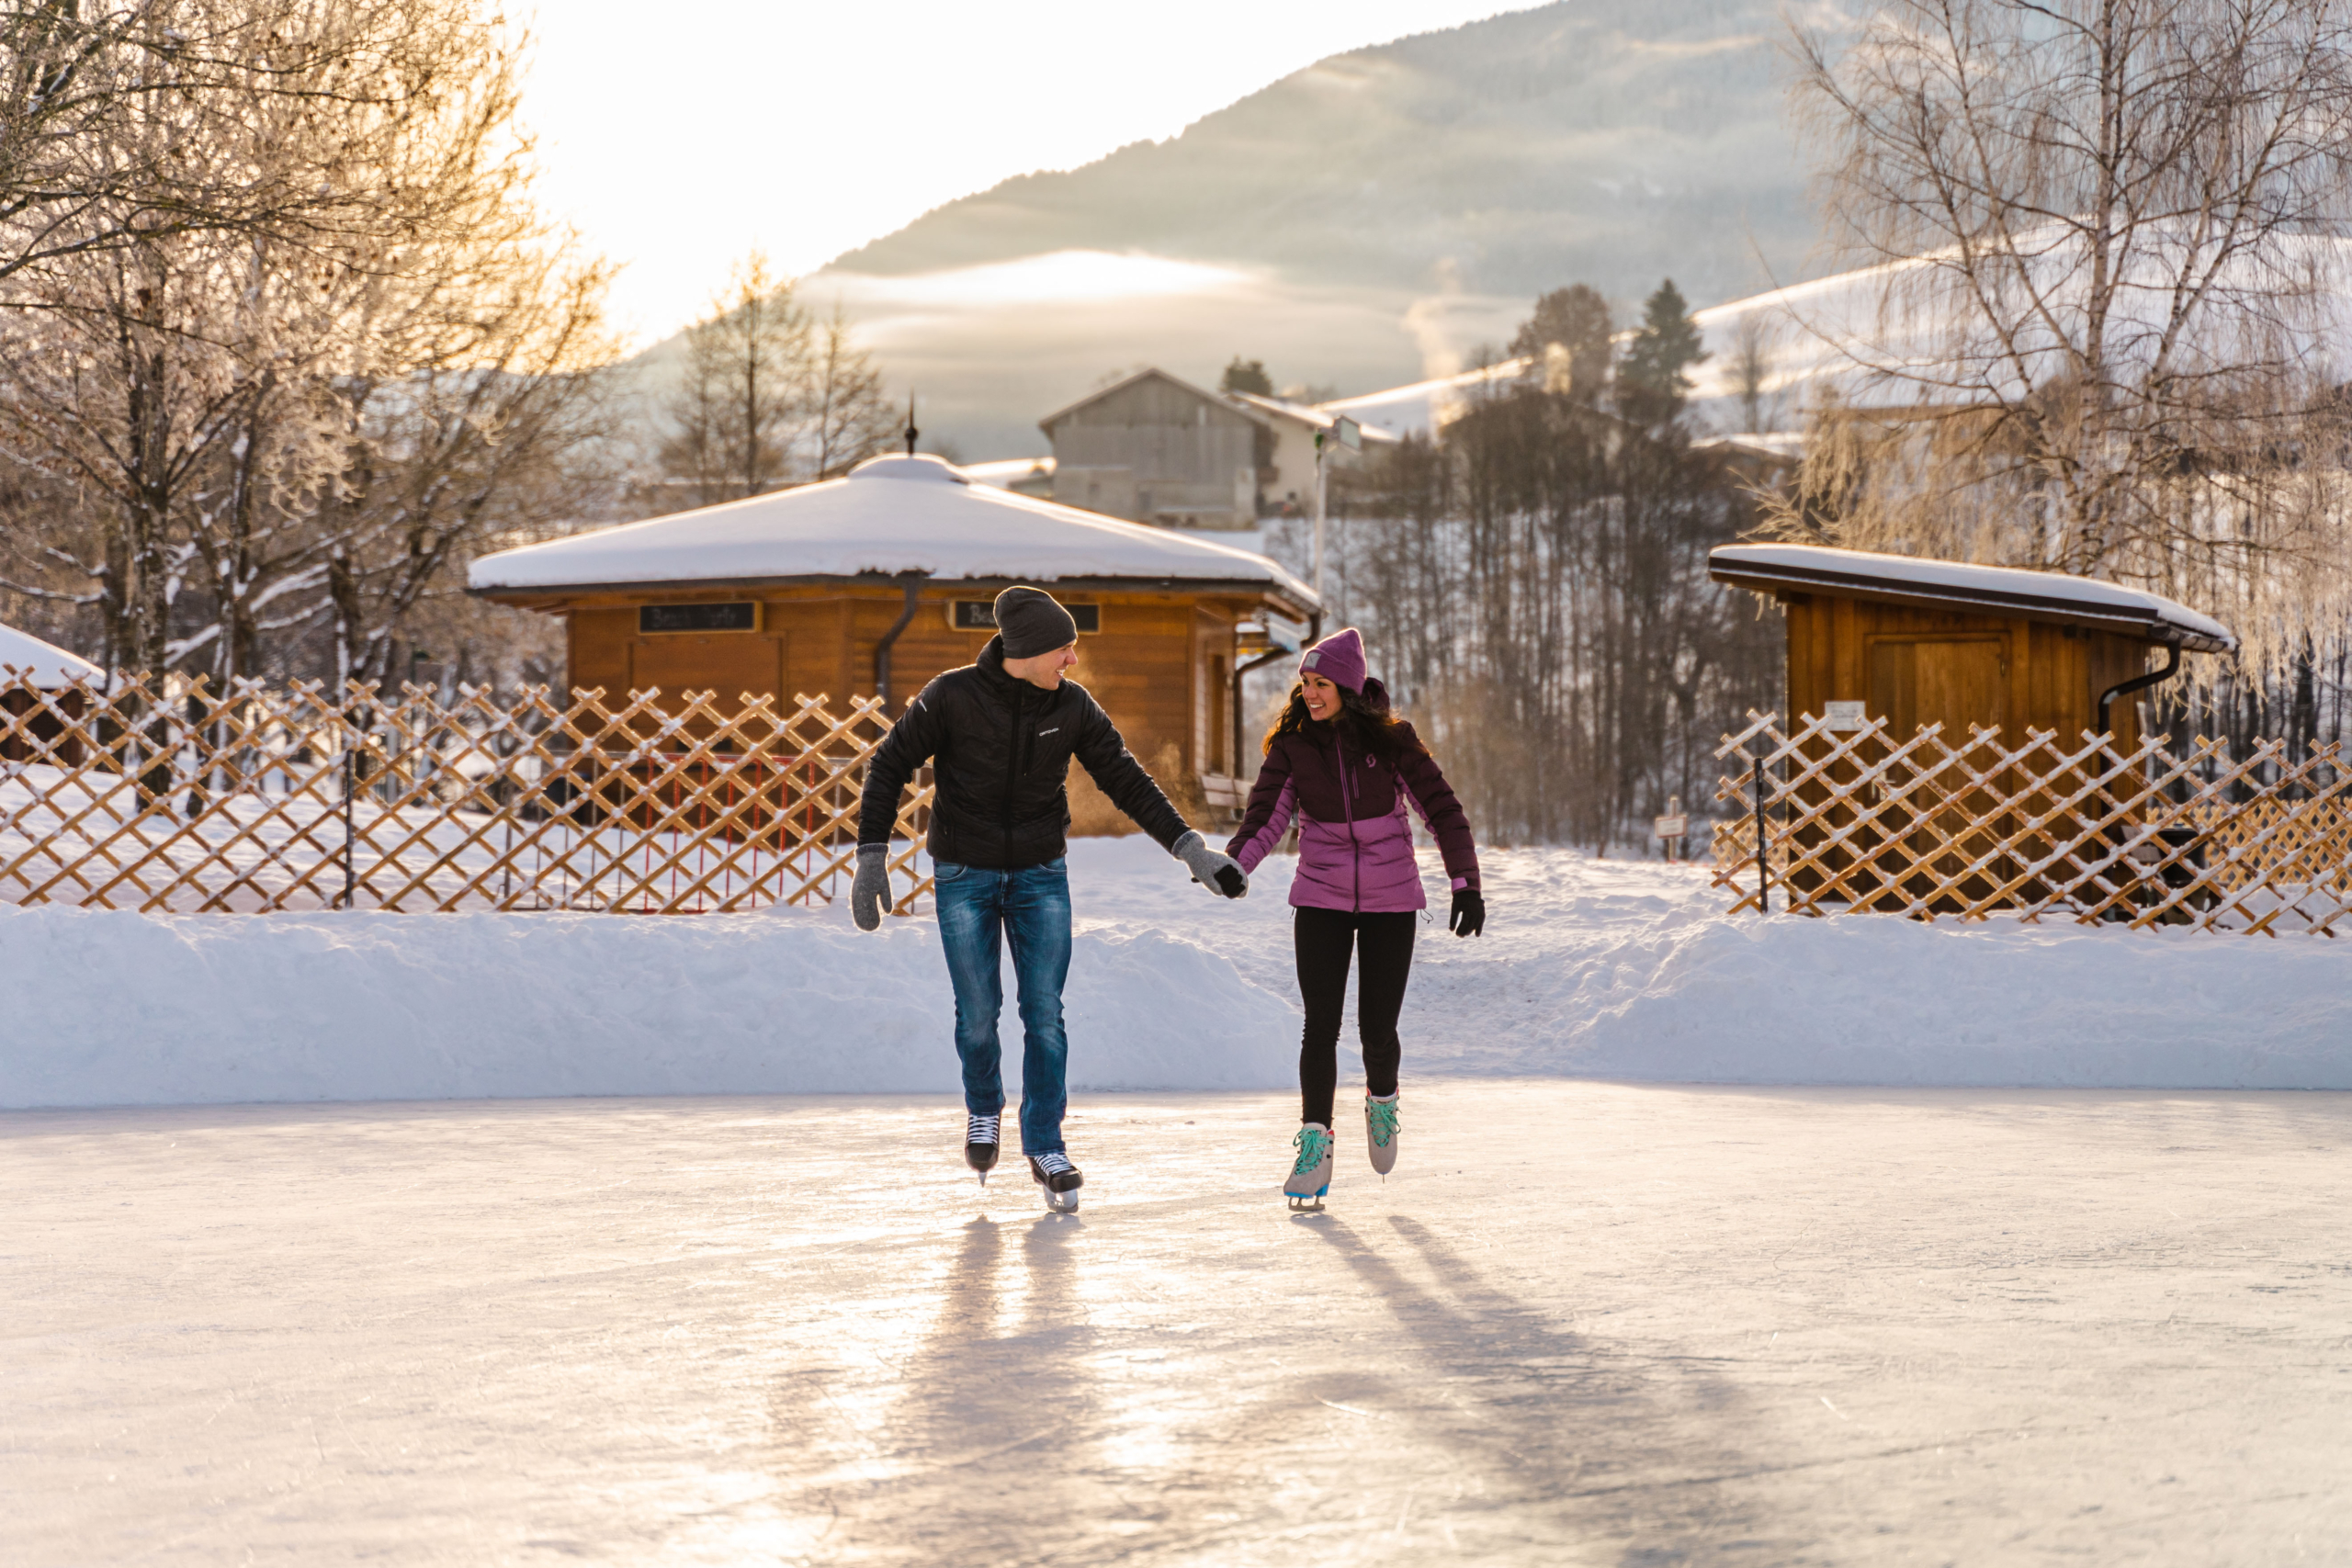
{"x": 1043, "y": 670}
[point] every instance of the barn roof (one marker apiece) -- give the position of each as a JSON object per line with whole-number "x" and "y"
{"x": 890, "y": 517}
{"x": 2043, "y": 595}
{"x": 1149, "y": 373}
{"x": 25, "y": 658}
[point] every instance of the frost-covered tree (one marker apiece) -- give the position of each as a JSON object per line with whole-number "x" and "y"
{"x": 2103, "y": 337}
{"x": 261, "y": 447}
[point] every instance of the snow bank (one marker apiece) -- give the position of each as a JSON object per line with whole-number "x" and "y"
{"x": 1589, "y": 968}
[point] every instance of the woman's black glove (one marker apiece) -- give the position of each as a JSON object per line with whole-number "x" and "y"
{"x": 1469, "y": 917}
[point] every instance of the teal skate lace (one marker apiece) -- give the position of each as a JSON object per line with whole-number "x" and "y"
{"x": 1311, "y": 1142}
{"x": 1382, "y": 1116}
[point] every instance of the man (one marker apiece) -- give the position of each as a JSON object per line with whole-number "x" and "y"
{"x": 1000, "y": 733}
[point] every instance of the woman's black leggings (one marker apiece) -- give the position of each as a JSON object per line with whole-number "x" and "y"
{"x": 1325, "y": 938}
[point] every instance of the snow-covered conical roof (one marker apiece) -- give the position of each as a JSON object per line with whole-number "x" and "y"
{"x": 25, "y": 658}
{"x": 890, "y": 517}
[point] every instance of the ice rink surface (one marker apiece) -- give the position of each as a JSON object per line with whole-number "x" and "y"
{"x": 1584, "y": 1323}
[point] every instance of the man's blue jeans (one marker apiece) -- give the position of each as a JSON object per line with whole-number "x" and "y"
{"x": 1031, "y": 907}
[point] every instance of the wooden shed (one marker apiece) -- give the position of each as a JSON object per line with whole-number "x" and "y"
{"x": 877, "y": 582}
{"x": 1913, "y": 643}
{"x": 1924, "y": 641}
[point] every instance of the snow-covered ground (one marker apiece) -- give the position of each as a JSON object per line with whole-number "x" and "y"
{"x": 1600, "y": 969}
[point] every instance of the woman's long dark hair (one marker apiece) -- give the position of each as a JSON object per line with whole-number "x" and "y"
{"x": 1366, "y": 722}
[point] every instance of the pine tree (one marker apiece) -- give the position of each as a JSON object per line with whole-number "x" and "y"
{"x": 1651, "y": 383}
{"x": 1247, "y": 375}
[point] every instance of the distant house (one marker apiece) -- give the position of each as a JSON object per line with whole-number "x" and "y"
{"x": 1154, "y": 448}
{"x": 1286, "y": 480}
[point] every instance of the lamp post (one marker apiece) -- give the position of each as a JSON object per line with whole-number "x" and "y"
{"x": 1350, "y": 435}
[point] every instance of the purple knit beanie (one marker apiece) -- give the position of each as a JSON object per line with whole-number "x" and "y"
{"x": 1339, "y": 659}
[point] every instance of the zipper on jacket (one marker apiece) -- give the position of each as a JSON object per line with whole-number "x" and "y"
{"x": 1012, "y": 762}
{"x": 1348, "y": 810}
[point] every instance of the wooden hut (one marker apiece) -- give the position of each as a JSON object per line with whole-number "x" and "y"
{"x": 1922, "y": 641}
{"x": 1916, "y": 642}
{"x": 37, "y": 694}
{"x": 877, "y": 582}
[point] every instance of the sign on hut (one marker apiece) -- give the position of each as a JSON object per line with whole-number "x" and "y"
{"x": 1884, "y": 647}
{"x": 874, "y": 583}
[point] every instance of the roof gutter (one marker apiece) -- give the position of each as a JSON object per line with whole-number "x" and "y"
{"x": 914, "y": 584}
{"x": 2138, "y": 683}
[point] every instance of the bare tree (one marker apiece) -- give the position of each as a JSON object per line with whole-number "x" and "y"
{"x": 1751, "y": 373}
{"x": 849, "y": 418}
{"x": 2110, "y": 239}
{"x": 736, "y": 414}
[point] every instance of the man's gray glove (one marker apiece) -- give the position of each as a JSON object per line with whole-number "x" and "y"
{"x": 871, "y": 891}
{"x": 1218, "y": 873}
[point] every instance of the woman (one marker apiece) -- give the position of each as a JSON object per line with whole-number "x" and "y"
{"x": 1346, "y": 766}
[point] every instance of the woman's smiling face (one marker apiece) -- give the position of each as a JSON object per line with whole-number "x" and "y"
{"x": 1322, "y": 696}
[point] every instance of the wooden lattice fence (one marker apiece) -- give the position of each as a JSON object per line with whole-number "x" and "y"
{"x": 1858, "y": 820}
{"x": 165, "y": 795}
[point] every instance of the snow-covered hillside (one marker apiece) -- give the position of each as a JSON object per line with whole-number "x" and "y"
{"x": 1589, "y": 968}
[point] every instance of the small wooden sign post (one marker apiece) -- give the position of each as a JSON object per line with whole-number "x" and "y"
{"x": 1672, "y": 828}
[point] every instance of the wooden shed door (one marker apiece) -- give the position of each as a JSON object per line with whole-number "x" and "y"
{"x": 1953, "y": 681}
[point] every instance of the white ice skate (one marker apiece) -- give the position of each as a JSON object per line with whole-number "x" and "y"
{"x": 1060, "y": 1180}
{"x": 1310, "y": 1178}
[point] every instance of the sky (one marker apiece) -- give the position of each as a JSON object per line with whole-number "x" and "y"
{"x": 807, "y": 130}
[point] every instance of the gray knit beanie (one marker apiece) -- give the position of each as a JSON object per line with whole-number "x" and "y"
{"x": 1031, "y": 623}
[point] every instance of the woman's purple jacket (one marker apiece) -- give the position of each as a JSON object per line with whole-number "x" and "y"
{"x": 1355, "y": 844}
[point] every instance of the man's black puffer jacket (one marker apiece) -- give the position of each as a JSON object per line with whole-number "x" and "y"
{"x": 1000, "y": 751}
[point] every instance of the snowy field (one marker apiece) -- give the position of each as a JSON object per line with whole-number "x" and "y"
{"x": 1588, "y": 969}
{"x": 1584, "y": 1324}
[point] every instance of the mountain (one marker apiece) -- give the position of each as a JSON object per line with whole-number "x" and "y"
{"x": 1365, "y": 222}
{"x": 1606, "y": 143}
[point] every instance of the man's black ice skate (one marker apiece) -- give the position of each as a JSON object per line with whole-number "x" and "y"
{"x": 1059, "y": 1179}
{"x": 980, "y": 1143}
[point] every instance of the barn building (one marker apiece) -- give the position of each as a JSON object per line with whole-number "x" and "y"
{"x": 879, "y": 581}
{"x": 1153, "y": 448}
